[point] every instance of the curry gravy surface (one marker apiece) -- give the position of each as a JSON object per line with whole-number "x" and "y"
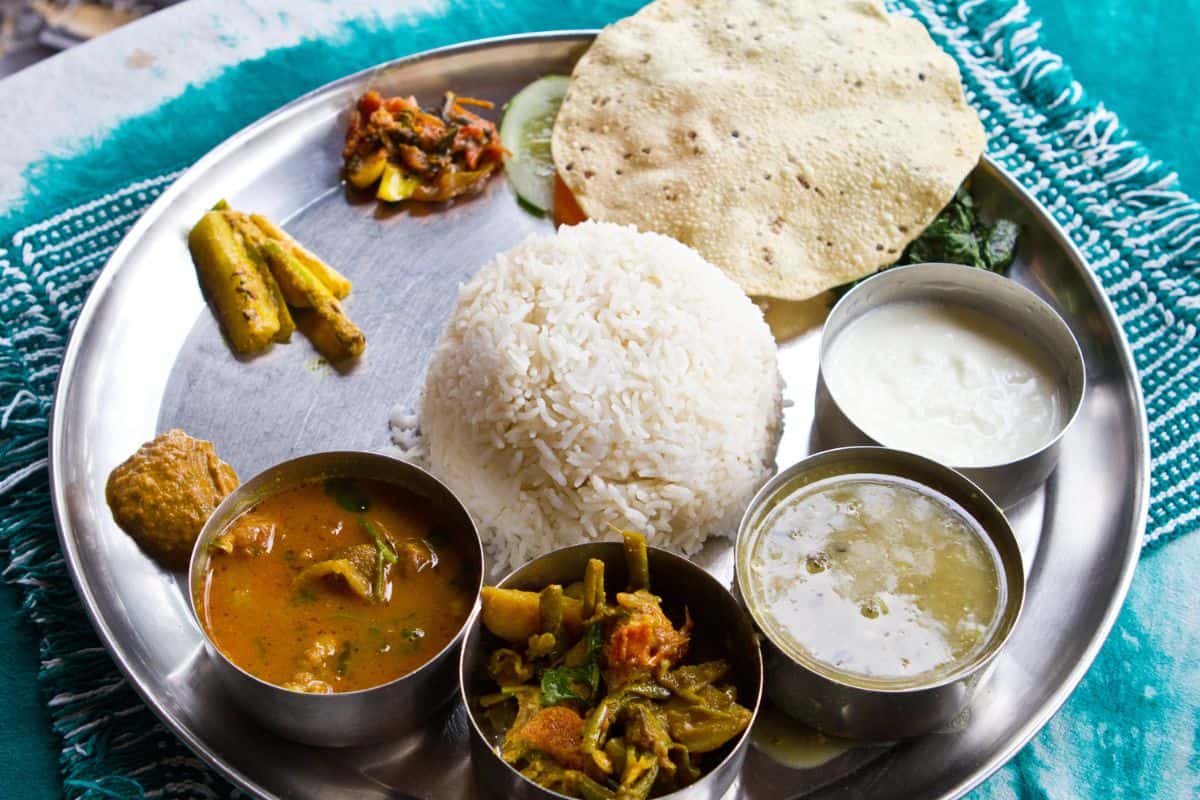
{"x": 318, "y": 633}
{"x": 874, "y": 581}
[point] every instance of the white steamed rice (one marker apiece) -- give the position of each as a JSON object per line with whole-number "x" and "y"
{"x": 601, "y": 378}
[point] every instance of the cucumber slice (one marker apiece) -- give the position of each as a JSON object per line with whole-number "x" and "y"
{"x": 525, "y": 133}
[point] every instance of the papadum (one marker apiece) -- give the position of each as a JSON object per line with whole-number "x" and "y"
{"x": 797, "y": 144}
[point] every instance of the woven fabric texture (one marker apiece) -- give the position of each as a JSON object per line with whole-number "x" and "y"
{"x": 1120, "y": 206}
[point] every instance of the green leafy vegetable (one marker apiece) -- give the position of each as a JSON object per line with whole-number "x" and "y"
{"x": 304, "y": 596}
{"x": 560, "y": 684}
{"x": 343, "y": 662}
{"x": 348, "y": 494}
{"x": 1001, "y": 245}
{"x": 958, "y": 236}
{"x": 384, "y": 554}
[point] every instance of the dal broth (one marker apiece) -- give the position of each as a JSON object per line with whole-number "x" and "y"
{"x": 875, "y": 581}
{"x": 300, "y": 593}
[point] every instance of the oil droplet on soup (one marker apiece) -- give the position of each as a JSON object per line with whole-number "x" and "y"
{"x": 335, "y": 586}
{"x": 875, "y": 581}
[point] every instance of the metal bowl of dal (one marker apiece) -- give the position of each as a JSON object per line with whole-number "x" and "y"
{"x": 342, "y": 719}
{"x": 1027, "y": 315}
{"x": 840, "y": 704}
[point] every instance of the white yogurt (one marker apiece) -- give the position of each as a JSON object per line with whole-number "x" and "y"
{"x": 947, "y": 382}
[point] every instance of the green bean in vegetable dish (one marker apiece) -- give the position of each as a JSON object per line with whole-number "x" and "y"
{"x": 594, "y": 695}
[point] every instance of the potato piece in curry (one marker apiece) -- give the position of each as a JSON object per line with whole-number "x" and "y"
{"x": 335, "y": 586}
{"x": 595, "y": 698}
{"x": 164, "y": 493}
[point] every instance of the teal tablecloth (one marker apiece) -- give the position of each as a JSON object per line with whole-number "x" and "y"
{"x": 1129, "y": 731}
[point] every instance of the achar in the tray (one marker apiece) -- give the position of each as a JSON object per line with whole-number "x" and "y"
{"x": 594, "y": 697}
{"x": 413, "y": 154}
{"x": 334, "y": 586}
{"x": 164, "y": 493}
{"x": 252, "y": 271}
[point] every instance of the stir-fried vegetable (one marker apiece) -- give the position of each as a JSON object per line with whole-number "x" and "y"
{"x": 515, "y": 615}
{"x": 593, "y": 588}
{"x": 252, "y": 271}
{"x": 238, "y": 285}
{"x": 604, "y": 707}
{"x": 413, "y": 154}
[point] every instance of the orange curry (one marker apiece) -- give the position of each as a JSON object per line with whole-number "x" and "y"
{"x": 335, "y": 586}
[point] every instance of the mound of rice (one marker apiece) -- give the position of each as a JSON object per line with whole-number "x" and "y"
{"x": 602, "y": 377}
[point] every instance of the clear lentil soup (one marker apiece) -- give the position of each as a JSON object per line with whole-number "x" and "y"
{"x": 335, "y": 586}
{"x": 876, "y": 581}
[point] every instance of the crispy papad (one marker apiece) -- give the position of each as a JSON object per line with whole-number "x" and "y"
{"x": 797, "y": 144}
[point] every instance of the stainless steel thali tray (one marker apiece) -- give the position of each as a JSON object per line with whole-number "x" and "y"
{"x": 146, "y": 355}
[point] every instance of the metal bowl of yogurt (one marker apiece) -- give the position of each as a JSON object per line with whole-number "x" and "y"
{"x": 957, "y": 364}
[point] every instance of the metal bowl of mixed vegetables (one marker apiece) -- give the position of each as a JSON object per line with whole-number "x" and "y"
{"x": 610, "y": 670}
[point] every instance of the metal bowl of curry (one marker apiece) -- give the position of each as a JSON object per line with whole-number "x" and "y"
{"x": 607, "y": 670}
{"x": 333, "y": 591}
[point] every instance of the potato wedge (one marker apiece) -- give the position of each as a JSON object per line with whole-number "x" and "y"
{"x": 515, "y": 615}
{"x": 364, "y": 171}
{"x": 396, "y": 185}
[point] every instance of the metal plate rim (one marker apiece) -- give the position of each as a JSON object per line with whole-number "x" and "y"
{"x": 83, "y": 588}
{"x": 1133, "y": 547}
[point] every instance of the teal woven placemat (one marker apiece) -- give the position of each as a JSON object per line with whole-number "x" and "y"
{"x": 1120, "y": 206}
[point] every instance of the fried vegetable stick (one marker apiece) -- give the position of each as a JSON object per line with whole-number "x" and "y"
{"x": 601, "y": 718}
{"x": 237, "y": 288}
{"x": 331, "y": 332}
{"x": 252, "y": 245}
{"x": 333, "y": 280}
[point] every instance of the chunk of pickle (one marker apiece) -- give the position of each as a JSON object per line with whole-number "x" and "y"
{"x": 395, "y": 184}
